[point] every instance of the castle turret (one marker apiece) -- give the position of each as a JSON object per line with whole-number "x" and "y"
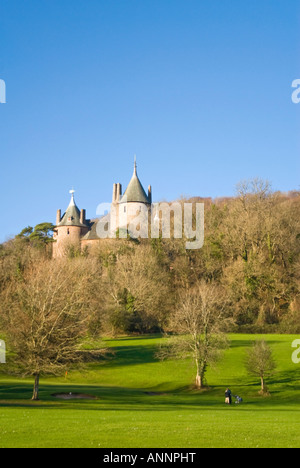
{"x": 69, "y": 229}
{"x": 135, "y": 192}
{"x": 134, "y": 200}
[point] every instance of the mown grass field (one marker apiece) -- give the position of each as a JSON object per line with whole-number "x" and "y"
{"x": 126, "y": 416}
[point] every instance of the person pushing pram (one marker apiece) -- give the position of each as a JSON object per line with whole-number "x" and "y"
{"x": 228, "y": 398}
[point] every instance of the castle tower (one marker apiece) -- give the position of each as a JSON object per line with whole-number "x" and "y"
{"x": 69, "y": 228}
{"x": 134, "y": 199}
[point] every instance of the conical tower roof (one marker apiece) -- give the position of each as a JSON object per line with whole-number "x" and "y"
{"x": 72, "y": 215}
{"x": 135, "y": 191}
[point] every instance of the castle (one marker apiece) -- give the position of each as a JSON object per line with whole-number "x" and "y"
{"x": 74, "y": 229}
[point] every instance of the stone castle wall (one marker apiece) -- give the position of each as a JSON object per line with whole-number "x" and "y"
{"x": 66, "y": 236}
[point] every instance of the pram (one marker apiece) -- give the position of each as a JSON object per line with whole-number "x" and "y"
{"x": 238, "y": 400}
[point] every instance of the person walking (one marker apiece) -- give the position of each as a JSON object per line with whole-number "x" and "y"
{"x": 228, "y": 397}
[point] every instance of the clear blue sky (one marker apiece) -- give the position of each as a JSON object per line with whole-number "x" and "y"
{"x": 199, "y": 90}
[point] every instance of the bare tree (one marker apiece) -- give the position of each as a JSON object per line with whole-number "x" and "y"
{"x": 146, "y": 285}
{"x": 199, "y": 322}
{"x": 45, "y": 316}
{"x": 260, "y": 362}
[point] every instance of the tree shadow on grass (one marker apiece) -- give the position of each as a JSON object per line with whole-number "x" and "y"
{"x": 139, "y": 400}
{"x": 247, "y": 343}
{"x": 291, "y": 378}
{"x": 132, "y": 355}
{"x": 134, "y": 338}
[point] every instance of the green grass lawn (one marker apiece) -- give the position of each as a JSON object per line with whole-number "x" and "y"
{"x": 126, "y": 416}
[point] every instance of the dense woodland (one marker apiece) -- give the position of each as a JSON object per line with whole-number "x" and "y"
{"x": 251, "y": 253}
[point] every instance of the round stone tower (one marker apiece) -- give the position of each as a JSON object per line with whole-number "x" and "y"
{"x": 69, "y": 229}
{"x": 134, "y": 201}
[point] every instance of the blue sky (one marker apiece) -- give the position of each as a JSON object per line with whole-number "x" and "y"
{"x": 199, "y": 90}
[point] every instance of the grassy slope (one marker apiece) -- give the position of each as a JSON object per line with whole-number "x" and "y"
{"x": 125, "y": 416}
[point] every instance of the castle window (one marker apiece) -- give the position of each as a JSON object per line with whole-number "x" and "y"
{"x": 68, "y": 232}
{"x": 124, "y": 209}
